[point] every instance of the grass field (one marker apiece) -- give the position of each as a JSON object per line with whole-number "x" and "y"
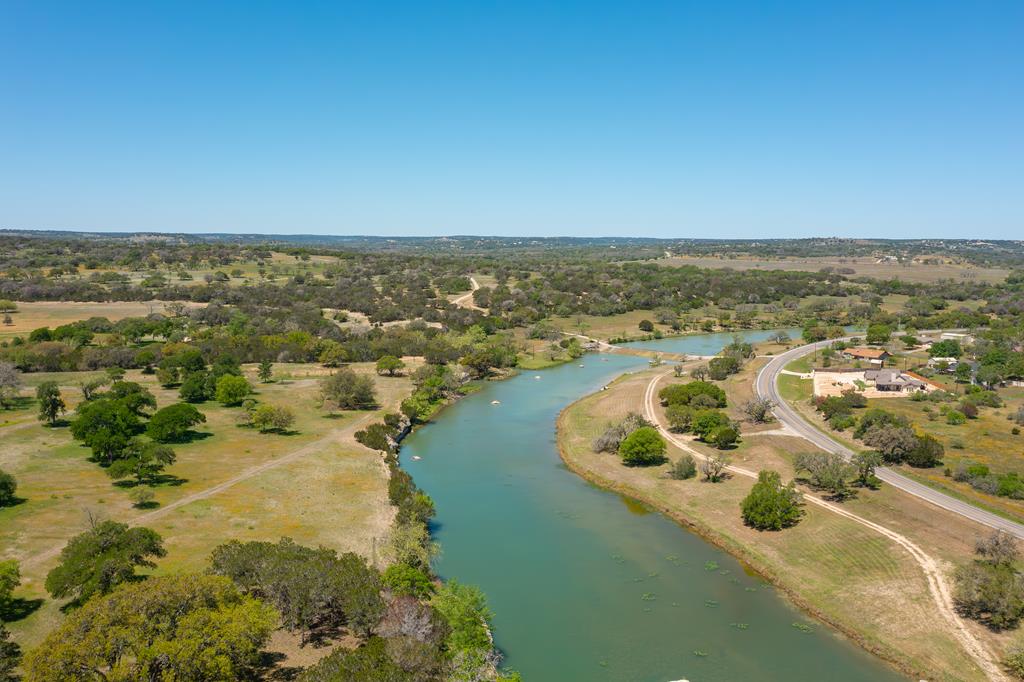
{"x": 55, "y": 313}
{"x": 863, "y": 267}
{"x": 317, "y": 486}
{"x": 835, "y": 567}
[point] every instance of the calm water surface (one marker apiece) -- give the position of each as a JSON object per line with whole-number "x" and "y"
{"x": 589, "y": 586}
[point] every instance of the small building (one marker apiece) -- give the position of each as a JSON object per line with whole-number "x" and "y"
{"x": 962, "y": 338}
{"x": 949, "y": 363}
{"x": 876, "y": 356}
{"x": 894, "y": 380}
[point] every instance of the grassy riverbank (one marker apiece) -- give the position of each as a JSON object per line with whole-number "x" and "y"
{"x": 832, "y": 567}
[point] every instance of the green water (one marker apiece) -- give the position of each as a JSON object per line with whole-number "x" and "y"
{"x": 587, "y": 585}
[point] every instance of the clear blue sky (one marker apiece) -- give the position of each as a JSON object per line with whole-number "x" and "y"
{"x": 712, "y": 119}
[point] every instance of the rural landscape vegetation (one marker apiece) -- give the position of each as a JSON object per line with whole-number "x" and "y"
{"x": 200, "y": 469}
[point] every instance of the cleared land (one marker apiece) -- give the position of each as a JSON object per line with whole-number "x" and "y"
{"x": 847, "y": 574}
{"x": 862, "y": 267}
{"x": 317, "y": 485}
{"x": 55, "y": 313}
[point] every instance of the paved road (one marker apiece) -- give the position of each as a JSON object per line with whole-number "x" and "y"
{"x": 767, "y": 387}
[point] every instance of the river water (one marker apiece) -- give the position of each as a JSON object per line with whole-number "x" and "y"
{"x": 587, "y": 586}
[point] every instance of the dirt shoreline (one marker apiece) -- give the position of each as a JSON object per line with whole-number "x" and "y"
{"x": 726, "y": 544}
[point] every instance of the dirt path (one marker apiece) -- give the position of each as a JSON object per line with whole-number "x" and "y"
{"x": 333, "y": 437}
{"x": 466, "y": 300}
{"x": 937, "y": 583}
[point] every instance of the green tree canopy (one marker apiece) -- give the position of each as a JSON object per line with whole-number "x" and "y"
{"x": 101, "y": 558}
{"x": 51, "y": 404}
{"x": 106, "y": 426}
{"x": 643, "y": 446}
{"x": 232, "y": 389}
{"x": 171, "y": 424}
{"x": 187, "y": 628}
{"x": 771, "y": 505}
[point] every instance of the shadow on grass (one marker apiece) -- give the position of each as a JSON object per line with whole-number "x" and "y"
{"x": 157, "y": 481}
{"x": 270, "y": 668}
{"x": 13, "y": 502}
{"x": 18, "y": 609}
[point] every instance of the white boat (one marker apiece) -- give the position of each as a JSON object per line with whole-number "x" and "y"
{"x": 495, "y": 402}
{"x": 416, "y": 458}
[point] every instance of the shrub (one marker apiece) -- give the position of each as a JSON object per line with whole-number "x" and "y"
{"x": 642, "y": 447}
{"x": 723, "y": 437}
{"x": 970, "y": 410}
{"x": 8, "y": 488}
{"x": 685, "y": 467}
{"x": 613, "y": 436}
{"x": 771, "y": 505}
{"x": 231, "y": 390}
{"x": 680, "y": 417}
{"x": 684, "y": 394}
{"x": 706, "y": 421}
{"x": 347, "y": 390}
{"x": 955, "y": 418}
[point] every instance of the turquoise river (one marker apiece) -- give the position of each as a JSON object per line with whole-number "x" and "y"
{"x": 587, "y": 586}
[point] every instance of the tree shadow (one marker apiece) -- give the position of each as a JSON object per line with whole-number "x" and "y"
{"x": 269, "y": 667}
{"x": 17, "y": 609}
{"x": 59, "y": 423}
{"x": 13, "y": 502}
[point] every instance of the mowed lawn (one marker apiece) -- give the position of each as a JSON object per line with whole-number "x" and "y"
{"x": 316, "y": 485}
{"x": 845, "y": 572}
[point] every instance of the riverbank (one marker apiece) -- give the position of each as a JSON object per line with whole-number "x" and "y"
{"x": 830, "y": 567}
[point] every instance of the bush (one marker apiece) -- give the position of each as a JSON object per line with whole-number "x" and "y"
{"x": 642, "y": 447}
{"x": 268, "y": 418}
{"x": 724, "y": 437}
{"x": 927, "y": 453}
{"x": 613, "y": 436}
{"x": 679, "y": 417}
{"x": 403, "y": 579}
{"x": 721, "y": 367}
{"x": 231, "y": 390}
{"x": 955, "y": 418}
{"x": 706, "y": 422}
{"x": 970, "y": 410}
{"x": 771, "y": 505}
{"x": 347, "y": 390}
{"x": 171, "y": 424}
{"x": 684, "y": 394}
{"x": 685, "y": 467}
{"x": 8, "y": 488}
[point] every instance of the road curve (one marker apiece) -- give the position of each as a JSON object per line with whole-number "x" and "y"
{"x": 766, "y": 386}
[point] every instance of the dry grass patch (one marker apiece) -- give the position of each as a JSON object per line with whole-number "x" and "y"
{"x": 837, "y": 568}
{"x": 317, "y": 486}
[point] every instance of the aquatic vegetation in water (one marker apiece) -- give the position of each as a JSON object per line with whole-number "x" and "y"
{"x": 653, "y": 575}
{"x": 648, "y": 596}
{"x": 740, "y": 626}
{"x": 803, "y": 627}
{"x": 711, "y": 566}
{"x": 710, "y": 603}
{"x": 698, "y": 652}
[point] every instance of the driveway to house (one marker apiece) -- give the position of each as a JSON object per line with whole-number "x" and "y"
{"x": 766, "y": 386}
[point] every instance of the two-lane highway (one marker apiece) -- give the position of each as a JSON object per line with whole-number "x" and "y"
{"x": 767, "y": 387}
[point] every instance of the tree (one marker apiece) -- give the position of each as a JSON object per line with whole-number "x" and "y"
{"x": 771, "y": 505}
{"x": 10, "y": 657}
{"x": 8, "y": 488}
{"x": 720, "y": 368}
{"x": 172, "y": 424}
{"x": 947, "y": 348}
{"x": 265, "y": 372}
{"x": 197, "y": 387}
{"x": 865, "y": 463}
{"x": 878, "y": 334}
{"x": 927, "y": 453}
{"x": 828, "y": 471}
{"x": 403, "y": 579}
{"x": 990, "y": 589}
{"x": 101, "y": 558}
{"x": 310, "y": 587}
{"x": 51, "y": 404}
{"x": 105, "y": 426}
{"x": 142, "y": 498}
{"x": 333, "y": 354}
{"x": 646, "y": 326}
{"x": 347, "y": 390}
{"x": 685, "y": 467}
{"x": 231, "y": 390}
{"x": 694, "y": 391}
{"x": 188, "y": 628}
{"x": 142, "y": 460}
{"x": 389, "y": 365}
{"x": 642, "y": 447}
{"x": 705, "y": 422}
{"x": 10, "y": 384}
{"x": 10, "y": 578}
{"x": 272, "y": 418}
{"x": 464, "y": 607}
{"x": 894, "y": 442}
{"x": 759, "y": 410}
{"x": 714, "y": 468}
{"x": 724, "y": 437}
{"x": 132, "y": 395}
{"x": 680, "y": 417}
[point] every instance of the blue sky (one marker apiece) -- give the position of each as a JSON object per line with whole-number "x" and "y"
{"x": 677, "y": 119}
